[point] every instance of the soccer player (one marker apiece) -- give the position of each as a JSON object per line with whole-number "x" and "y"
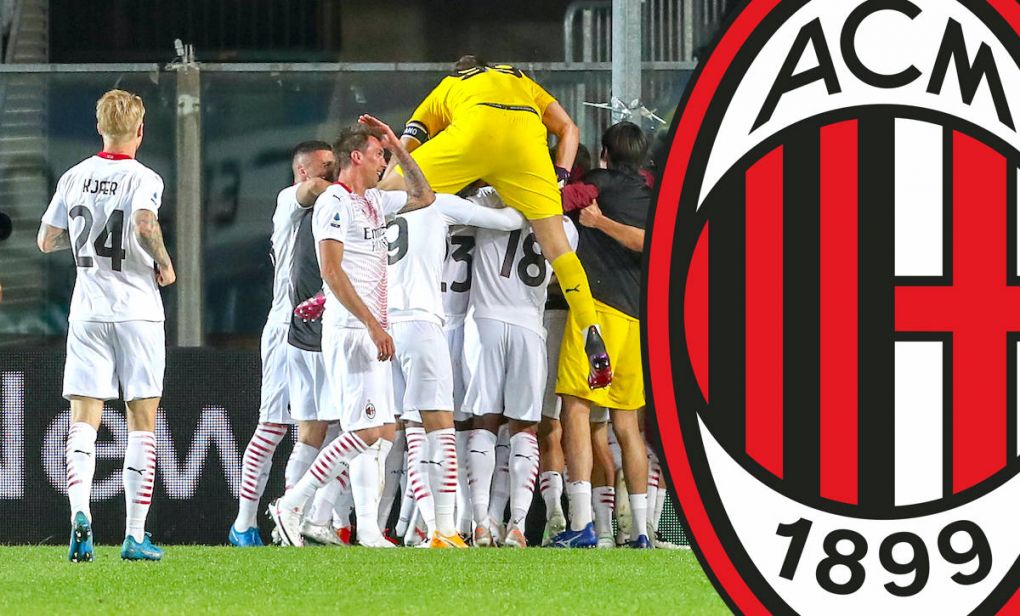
{"x": 311, "y": 400}
{"x": 550, "y": 432}
{"x": 491, "y": 123}
{"x": 422, "y": 372}
{"x": 313, "y": 165}
{"x": 105, "y": 210}
{"x": 613, "y": 205}
{"x": 456, "y": 287}
{"x": 508, "y": 298}
{"x": 350, "y": 232}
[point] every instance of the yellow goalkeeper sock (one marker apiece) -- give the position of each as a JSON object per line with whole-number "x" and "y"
{"x": 576, "y": 291}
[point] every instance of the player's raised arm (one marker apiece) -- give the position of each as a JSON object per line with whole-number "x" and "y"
{"x": 150, "y": 237}
{"x": 419, "y": 193}
{"x": 559, "y": 123}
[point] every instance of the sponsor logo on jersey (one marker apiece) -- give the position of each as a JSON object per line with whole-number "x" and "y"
{"x": 833, "y": 307}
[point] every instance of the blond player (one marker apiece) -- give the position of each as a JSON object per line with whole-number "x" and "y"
{"x": 104, "y": 210}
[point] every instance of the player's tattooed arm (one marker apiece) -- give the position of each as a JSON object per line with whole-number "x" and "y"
{"x": 419, "y": 193}
{"x": 52, "y": 239}
{"x": 150, "y": 237}
{"x": 309, "y": 190}
{"x": 333, "y": 275}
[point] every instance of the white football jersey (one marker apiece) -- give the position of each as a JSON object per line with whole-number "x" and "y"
{"x": 417, "y": 243}
{"x": 286, "y": 220}
{"x": 359, "y": 223}
{"x": 511, "y": 275}
{"x": 460, "y": 252}
{"x": 95, "y": 201}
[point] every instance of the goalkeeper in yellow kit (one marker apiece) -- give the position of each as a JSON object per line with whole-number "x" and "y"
{"x": 491, "y": 123}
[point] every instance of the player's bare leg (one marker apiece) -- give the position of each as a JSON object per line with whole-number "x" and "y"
{"x": 635, "y": 471}
{"x": 139, "y": 477}
{"x": 575, "y": 416}
{"x": 551, "y": 467}
{"x": 80, "y": 456}
{"x": 602, "y": 476}
{"x": 576, "y": 290}
{"x": 524, "y": 462}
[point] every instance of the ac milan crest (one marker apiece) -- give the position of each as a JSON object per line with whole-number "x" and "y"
{"x": 833, "y": 308}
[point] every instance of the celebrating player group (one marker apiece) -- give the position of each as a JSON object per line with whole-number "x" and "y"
{"x": 434, "y": 369}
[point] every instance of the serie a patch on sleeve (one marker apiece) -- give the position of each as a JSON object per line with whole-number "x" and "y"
{"x": 833, "y": 307}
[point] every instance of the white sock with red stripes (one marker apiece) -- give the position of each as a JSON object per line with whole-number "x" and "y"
{"x": 80, "y": 455}
{"x": 603, "y": 502}
{"x": 418, "y": 476}
{"x": 328, "y": 464}
{"x": 393, "y": 454}
{"x": 501, "y": 476}
{"x": 139, "y": 475}
{"x": 523, "y": 473}
{"x": 463, "y": 485}
{"x": 481, "y": 464}
{"x": 551, "y": 485}
{"x": 443, "y": 477}
{"x": 258, "y": 457}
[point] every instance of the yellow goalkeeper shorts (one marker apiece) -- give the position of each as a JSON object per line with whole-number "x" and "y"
{"x": 505, "y": 148}
{"x": 622, "y": 335}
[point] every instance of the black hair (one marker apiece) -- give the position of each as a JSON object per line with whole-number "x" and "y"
{"x": 468, "y": 62}
{"x": 307, "y": 147}
{"x": 625, "y": 146}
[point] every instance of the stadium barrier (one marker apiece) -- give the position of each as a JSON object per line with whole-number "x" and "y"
{"x": 207, "y": 414}
{"x": 250, "y": 116}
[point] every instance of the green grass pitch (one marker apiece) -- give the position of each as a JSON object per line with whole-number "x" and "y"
{"x": 199, "y": 579}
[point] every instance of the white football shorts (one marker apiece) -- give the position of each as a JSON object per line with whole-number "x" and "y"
{"x": 510, "y": 373}
{"x": 275, "y": 396}
{"x": 102, "y": 356}
{"x": 311, "y": 398}
{"x": 364, "y": 385}
{"x": 422, "y": 371}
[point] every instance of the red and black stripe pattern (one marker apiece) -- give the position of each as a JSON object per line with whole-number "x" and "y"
{"x": 794, "y": 308}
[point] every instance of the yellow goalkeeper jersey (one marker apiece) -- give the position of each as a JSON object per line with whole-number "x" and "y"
{"x": 501, "y": 86}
